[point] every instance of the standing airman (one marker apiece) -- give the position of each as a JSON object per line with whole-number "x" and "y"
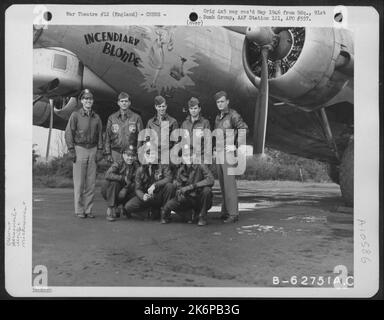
{"x": 195, "y": 123}
{"x": 162, "y": 118}
{"x": 227, "y": 118}
{"x": 83, "y": 136}
{"x": 122, "y": 129}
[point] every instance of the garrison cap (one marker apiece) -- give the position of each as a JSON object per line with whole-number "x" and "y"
{"x": 159, "y": 100}
{"x": 130, "y": 150}
{"x": 193, "y": 102}
{"x": 123, "y": 95}
{"x": 86, "y": 93}
{"x": 220, "y": 94}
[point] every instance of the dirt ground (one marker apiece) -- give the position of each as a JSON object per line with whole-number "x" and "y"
{"x": 286, "y": 229}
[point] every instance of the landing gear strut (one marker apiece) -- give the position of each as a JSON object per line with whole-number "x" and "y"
{"x": 328, "y": 133}
{"x": 344, "y": 176}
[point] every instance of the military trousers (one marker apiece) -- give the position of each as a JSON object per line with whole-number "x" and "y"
{"x": 114, "y": 193}
{"x": 84, "y": 179}
{"x": 160, "y": 197}
{"x": 201, "y": 202}
{"x": 230, "y": 204}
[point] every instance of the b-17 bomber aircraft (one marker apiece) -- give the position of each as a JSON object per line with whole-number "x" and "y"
{"x": 293, "y": 86}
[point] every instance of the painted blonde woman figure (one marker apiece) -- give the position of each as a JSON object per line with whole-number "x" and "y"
{"x": 164, "y": 38}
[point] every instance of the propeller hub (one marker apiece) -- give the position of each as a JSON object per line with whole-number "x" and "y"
{"x": 260, "y": 35}
{"x": 283, "y": 47}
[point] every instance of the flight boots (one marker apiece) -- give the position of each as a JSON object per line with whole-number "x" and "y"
{"x": 119, "y": 212}
{"x": 202, "y": 220}
{"x": 165, "y": 218}
{"x": 111, "y": 214}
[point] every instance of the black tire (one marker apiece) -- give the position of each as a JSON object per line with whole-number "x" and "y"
{"x": 346, "y": 174}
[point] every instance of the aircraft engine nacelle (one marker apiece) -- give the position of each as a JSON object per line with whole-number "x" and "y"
{"x": 306, "y": 66}
{"x": 56, "y": 72}
{"x": 42, "y": 112}
{"x": 58, "y": 77}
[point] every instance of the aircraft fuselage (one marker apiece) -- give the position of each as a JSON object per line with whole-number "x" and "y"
{"x": 178, "y": 63}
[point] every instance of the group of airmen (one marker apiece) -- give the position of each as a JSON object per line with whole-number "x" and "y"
{"x": 147, "y": 190}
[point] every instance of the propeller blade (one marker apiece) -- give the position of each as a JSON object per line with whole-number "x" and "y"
{"x": 37, "y": 98}
{"x": 50, "y": 128}
{"x": 277, "y": 30}
{"x": 260, "y": 35}
{"x": 241, "y": 30}
{"x": 261, "y": 110}
{"x": 278, "y": 71}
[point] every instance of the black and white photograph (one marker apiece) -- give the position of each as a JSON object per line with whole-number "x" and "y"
{"x": 218, "y": 156}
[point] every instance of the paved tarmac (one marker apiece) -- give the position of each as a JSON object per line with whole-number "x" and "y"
{"x": 286, "y": 229}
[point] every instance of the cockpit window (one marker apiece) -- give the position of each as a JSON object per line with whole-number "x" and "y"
{"x": 60, "y": 62}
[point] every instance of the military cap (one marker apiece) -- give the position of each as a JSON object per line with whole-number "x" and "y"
{"x": 220, "y": 94}
{"x": 159, "y": 100}
{"x": 193, "y": 102}
{"x": 86, "y": 93}
{"x": 123, "y": 95}
{"x": 130, "y": 150}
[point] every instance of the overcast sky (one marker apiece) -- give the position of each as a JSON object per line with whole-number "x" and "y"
{"x": 40, "y": 137}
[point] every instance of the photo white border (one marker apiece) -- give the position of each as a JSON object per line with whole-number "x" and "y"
{"x": 363, "y": 21}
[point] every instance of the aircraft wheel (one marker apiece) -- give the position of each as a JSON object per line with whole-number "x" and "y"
{"x": 346, "y": 174}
